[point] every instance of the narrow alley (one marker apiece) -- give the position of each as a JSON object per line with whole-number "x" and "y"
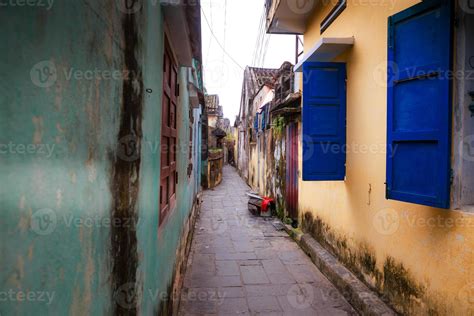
{"x": 237, "y": 157}
{"x": 242, "y": 265}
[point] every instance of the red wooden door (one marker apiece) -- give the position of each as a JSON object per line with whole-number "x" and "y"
{"x": 168, "y": 134}
{"x": 291, "y": 190}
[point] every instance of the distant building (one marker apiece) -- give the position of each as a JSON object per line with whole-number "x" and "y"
{"x": 215, "y": 111}
{"x": 254, "y": 80}
{"x": 268, "y": 135}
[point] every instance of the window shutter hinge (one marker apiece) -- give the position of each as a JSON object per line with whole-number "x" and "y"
{"x": 177, "y": 90}
{"x": 176, "y": 177}
{"x": 451, "y": 177}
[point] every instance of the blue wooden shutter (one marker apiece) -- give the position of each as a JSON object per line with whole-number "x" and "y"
{"x": 419, "y": 104}
{"x": 324, "y": 121}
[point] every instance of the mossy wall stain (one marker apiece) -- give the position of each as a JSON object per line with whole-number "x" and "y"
{"x": 277, "y": 171}
{"x": 125, "y": 174}
{"x": 391, "y": 280}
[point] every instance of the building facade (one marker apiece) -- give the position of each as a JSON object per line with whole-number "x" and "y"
{"x": 254, "y": 80}
{"x": 106, "y": 96}
{"x": 270, "y": 164}
{"x": 385, "y": 144}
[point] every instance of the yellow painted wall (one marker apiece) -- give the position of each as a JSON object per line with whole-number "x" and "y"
{"x": 433, "y": 249}
{"x": 257, "y": 160}
{"x": 235, "y": 135}
{"x": 253, "y": 178}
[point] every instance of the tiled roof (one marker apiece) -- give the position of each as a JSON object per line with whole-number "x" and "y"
{"x": 255, "y": 78}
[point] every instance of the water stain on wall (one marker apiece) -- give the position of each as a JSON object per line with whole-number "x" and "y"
{"x": 391, "y": 280}
{"x": 124, "y": 185}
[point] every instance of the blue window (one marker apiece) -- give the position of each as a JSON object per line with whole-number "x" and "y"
{"x": 419, "y": 104}
{"x": 324, "y": 121}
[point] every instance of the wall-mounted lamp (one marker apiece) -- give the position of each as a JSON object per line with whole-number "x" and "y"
{"x": 471, "y": 106}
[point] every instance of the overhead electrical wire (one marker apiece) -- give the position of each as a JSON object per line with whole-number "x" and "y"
{"x": 259, "y": 40}
{"x": 210, "y": 40}
{"x": 225, "y": 28}
{"x": 265, "y": 50}
{"x": 217, "y": 41}
{"x": 254, "y": 54}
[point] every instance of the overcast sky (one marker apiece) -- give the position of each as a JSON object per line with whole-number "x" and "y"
{"x": 238, "y": 35}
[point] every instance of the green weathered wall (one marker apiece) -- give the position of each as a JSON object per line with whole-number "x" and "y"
{"x": 79, "y": 209}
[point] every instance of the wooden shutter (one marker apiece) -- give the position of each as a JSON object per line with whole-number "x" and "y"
{"x": 168, "y": 133}
{"x": 419, "y": 104}
{"x": 324, "y": 121}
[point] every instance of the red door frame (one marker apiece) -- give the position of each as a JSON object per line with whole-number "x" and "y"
{"x": 168, "y": 133}
{"x": 291, "y": 190}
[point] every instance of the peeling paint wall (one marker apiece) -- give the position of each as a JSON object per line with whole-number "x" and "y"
{"x": 80, "y": 114}
{"x": 267, "y": 167}
{"x": 420, "y": 259}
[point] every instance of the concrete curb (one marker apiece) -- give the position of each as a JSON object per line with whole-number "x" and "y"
{"x": 364, "y": 300}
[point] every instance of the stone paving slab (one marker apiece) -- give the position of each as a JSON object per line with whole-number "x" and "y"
{"x": 242, "y": 265}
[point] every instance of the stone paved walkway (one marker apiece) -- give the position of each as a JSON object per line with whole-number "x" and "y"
{"x": 242, "y": 265}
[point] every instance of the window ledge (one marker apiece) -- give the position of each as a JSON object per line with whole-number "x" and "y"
{"x": 326, "y": 49}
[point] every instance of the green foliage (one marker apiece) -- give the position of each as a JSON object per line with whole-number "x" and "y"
{"x": 215, "y": 150}
{"x": 280, "y": 208}
{"x": 278, "y": 125}
{"x": 280, "y": 212}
